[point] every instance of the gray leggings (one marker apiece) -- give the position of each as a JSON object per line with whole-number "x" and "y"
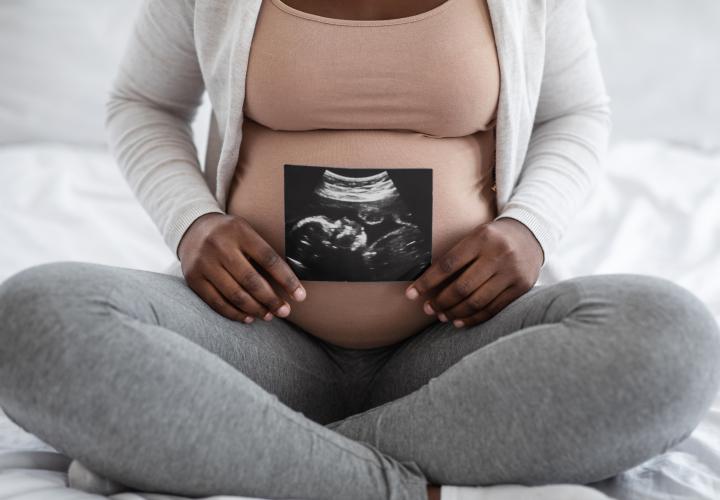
{"x": 135, "y": 376}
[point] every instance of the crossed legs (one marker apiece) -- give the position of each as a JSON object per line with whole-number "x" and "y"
{"x": 131, "y": 373}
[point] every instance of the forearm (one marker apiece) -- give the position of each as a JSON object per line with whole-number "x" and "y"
{"x": 156, "y": 154}
{"x": 563, "y": 164}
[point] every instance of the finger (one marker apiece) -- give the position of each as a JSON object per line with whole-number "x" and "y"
{"x": 479, "y": 299}
{"x": 268, "y": 259}
{"x": 495, "y": 306}
{"x": 213, "y": 298}
{"x": 234, "y": 293}
{"x": 452, "y": 261}
{"x": 255, "y": 284}
{"x": 463, "y": 286}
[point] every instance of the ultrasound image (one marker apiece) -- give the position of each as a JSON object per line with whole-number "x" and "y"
{"x": 358, "y": 224}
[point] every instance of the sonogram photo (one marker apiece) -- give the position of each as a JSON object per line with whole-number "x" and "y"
{"x": 358, "y": 224}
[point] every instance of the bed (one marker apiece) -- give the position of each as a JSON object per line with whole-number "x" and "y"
{"x": 654, "y": 212}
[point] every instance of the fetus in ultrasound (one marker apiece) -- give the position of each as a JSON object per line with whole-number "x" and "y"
{"x": 344, "y": 224}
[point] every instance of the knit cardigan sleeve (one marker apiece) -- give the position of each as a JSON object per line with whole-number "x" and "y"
{"x": 153, "y": 101}
{"x": 571, "y": 129}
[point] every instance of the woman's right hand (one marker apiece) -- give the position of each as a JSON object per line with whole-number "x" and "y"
{"x": 214, "y": 254}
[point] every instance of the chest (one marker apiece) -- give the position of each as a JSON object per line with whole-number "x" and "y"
{"x": 364, "y": 9}
{"x": 436, "y": 74}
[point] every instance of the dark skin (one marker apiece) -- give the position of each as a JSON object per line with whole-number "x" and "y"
{"x": 223, "y": 258}
{"x": 228, "y": 264}
{"x": 479, "y": 276}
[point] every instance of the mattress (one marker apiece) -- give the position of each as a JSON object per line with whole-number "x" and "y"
{"x": 655, "y": 212}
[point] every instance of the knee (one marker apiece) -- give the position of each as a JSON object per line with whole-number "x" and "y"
{"x": 650, "y": 350}
{"x": 41, "y": 284}
{"x": 35, "y": 302}
{"x": 677, "y": 330}
{"x": 670, "y": 342}
{"x": 23, "y": 298}
{"x": 38, "y": 325}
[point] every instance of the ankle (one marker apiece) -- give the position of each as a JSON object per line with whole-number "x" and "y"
{"x": 433, "y": 492}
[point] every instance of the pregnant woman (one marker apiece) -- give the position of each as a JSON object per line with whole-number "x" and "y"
{"x": 353, "y": 314}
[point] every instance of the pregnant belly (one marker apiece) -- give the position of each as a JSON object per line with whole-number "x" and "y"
{"x": 359, "y": 214}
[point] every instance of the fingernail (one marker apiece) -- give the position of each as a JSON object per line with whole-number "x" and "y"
{"x": 249, "y": 319}
{"x": 428, "y": 308}
{"x": 442, "y": 317}
{"x": 412, "y": 293}
{"x": 268, "y": 316}
{"x": 283, "y": 311}
{"x": 299, "y": 294}
{"x": 459, "y": 323}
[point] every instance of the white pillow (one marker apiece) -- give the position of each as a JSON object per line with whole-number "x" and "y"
{"x": 58, "y": 61}
{"x": 661, "y": 61}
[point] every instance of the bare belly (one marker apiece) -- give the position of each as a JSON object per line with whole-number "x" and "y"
{"x": 350, "y": 305}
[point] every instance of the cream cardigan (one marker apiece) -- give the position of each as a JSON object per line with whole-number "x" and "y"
{"x": 553, "y": 118}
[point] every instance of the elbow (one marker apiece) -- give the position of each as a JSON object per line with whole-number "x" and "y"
{"x": 595, "y": 108}
{"x": 600, "y": 109}
{"x": 117, "y": 106}
{"x": 587, "y": 123}
{"x": 115, "y": 103}
{"x": 600, "y": 112}
{"x": 113, "y": 106}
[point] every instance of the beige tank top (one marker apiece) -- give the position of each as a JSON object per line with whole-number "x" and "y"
{"x": 367, "y": 152}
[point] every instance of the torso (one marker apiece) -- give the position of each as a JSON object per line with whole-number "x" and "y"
{"x": 379, "y": 87}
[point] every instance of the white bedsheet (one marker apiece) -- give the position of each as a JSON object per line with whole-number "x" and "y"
{"x": 61, "y": 203}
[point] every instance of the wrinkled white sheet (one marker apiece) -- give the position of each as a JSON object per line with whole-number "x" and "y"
{"x": 657, "y": 212}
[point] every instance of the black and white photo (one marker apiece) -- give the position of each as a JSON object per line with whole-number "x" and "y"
{"x": 358, "y": 224}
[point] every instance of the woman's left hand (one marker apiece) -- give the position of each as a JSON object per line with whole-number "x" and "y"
{"x": 499, "y": 261}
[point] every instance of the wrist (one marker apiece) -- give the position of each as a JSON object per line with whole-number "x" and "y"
{"x": 194, "y": 227}
{"x": 526, "y": 236}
